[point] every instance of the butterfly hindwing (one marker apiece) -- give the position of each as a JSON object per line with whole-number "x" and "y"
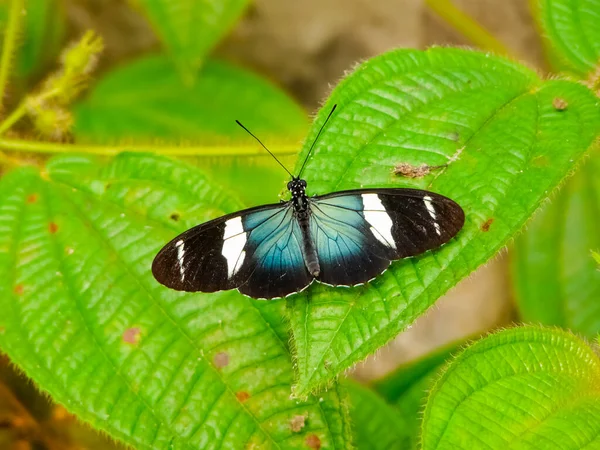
{"x": 256, "y": 250}
{"x": 358, "y": 233}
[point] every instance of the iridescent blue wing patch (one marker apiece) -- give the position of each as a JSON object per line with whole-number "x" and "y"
{"x": 358, "y": 233}
{"x": 257, "y": 251}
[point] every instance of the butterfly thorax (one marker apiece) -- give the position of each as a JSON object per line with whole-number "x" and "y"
{"x": 299, "y": 198}
{"x": 301, "y": 212}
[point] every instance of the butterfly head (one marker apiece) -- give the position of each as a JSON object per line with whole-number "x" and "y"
{"x": 297, "y": 187}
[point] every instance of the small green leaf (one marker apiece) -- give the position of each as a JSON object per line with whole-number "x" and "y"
{"x": 557, "y": 281}
{"x": 525, "y": 388}
{"x": 43, "y": 29}
{"x": 377, "y": 425}
{"x": 506, "y": 144}
{"x": 146, "y": 101}
{"x": 407, "y": 387}
{"x": 189, "y": 29}
{"x": 572, "y": 31}
{"x": 85, "y": 319}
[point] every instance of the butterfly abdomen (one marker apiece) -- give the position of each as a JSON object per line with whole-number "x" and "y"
{"x": 309, "y": 252}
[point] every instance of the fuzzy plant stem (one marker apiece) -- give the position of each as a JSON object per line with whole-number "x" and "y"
{"x": 9, "y": 45}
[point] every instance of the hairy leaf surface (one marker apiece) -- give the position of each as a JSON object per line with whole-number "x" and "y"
{"x": 505, "y": 143}
{"x": 523, "y": 388}
{"x": 190, "y": 28}
{"x": 572, "y": 31}
{"x": 556, "y": 278}
{"x": 85, "y": 319}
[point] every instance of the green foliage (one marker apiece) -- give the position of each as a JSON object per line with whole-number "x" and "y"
{"x": 572, "y": 33}
{"x": 377, "y": 425}
{"x": 87, "y": 322}
{"x": 190, "y": 28}
{"x": 506, "y": 145}
{"x": 557, "y": 281}
{"x": 525, "y": 388}
{"x": 556, "y": 278}
{"x": 146, "y": 100}
{"x": 408, "y": 386}
{"x": 43, "y": 32}
{"x": 168, "y": 110}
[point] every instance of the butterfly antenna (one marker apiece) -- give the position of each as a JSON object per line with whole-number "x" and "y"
{"x": 263, "y": 146}
{"x": 316, "y": 139}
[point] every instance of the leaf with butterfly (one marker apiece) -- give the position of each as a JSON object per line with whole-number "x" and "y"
{"x": 497, "y": 142}
{"x": 84, "y": 318}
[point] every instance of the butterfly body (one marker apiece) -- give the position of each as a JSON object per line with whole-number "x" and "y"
{"x": 344, "y": 238}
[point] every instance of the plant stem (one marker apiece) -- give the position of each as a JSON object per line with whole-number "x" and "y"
{"x": 13, "y": 26}
{"x": 13, "y": 118}
{"x": 468, "y": 26}
{"x": 171, "y": 150}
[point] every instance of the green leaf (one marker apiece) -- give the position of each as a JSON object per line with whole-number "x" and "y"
{"x": 525, "y": 388}
{"x": 407, "y": 387}
{"x": 84, "y": 318}
{"x": 506, "y": 145}
{"x": 43, "y": 30}
{"x": 189, "y": 29}
{"x": 146, "y": 101}
{"x": 377, "y": 425}
{"x": 557, "y": 281}
{"x": 572, "y": 31}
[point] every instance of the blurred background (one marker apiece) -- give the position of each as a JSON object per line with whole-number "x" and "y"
{"x": 304, "y": 47}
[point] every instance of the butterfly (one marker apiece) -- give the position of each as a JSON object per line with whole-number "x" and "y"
{"x": 344, "y": 238}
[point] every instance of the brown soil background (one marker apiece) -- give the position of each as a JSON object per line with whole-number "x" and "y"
{"x": 306, "y": 47}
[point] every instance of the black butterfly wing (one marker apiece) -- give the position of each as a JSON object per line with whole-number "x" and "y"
{"x": 358, "y": 233}
{"x": 256, "y": 251}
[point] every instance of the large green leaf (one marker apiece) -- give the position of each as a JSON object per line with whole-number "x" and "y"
{"x": 557, "y": 281}
{"x": 525, "y": 388}
{"x": 407, "y": 387}
{"x": 190, "y": 28}
{"x": 84, "y": 318}
{"x": 377, "y": 425}
{"x": 145, "y": 101}
{"x": 572, "y": 32}
{"x": 507, "y": 145}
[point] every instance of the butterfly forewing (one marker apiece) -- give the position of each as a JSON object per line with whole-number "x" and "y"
{"x": 256, "y": 250}
{"x": 358, "y": 233}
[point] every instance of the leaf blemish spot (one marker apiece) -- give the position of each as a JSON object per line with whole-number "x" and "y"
{"x": 297, "y": 423}
{"x": 32, "y": 198}
{"x": 132, "y": 335}
{"x": 560, "y": 104}
{"x": 52, "y": 228}
{"x": 221, "y": 360}
{"x": 485, "y": 227}
{"x": 18, "y": 289}
{"x": 242, "y": 396}
{"x": 175, "y": 217}
{"x": 313, "y": 442}
{"x": 410, "y": 171}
